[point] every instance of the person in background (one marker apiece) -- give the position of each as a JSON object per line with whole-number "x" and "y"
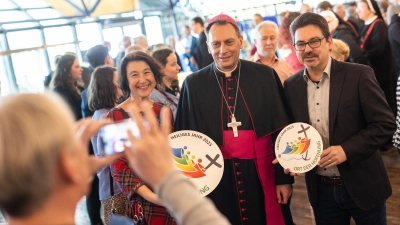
{"x": 141, "y": 41}
{"x": 305, "y": 8}
{"x": 340, "y": 50}
{"x": 199, "y": 51}
{"x": 126, "y": 42}
{"x": 49, "y": 77}
{"x": 266, "y": 40}
{"x": 257, "y": 19}
{"x": 341, "y": 30}
{"x": 103, "y": 95}
{"x": 168, "y": 90}
{"x": 340, "y": 11}
{"x": 286, "y": 42}
{"x": 352, "y": 16}
{"x": 324, "y": 6}
{"x": 383, "y": 6}
{"x": 394, "y": 38}
{"x": 65, "y": 83}
{"x": 375, "y": 42}
{"x": 108, "y": 45}
{"x": 138, "y": 75}
{"x": 97, "y": 56}
{"x": 393, "y": 9}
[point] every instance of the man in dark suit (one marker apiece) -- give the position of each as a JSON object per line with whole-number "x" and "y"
{"x": 200, "y": 55}
{"x": 345, "y": 104}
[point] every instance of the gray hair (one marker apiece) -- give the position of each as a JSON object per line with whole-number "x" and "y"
{"x": 266, "y": 24}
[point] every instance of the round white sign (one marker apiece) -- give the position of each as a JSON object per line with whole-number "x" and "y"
{"x": 298, "y": 147}
{"x": 199, "y": 158}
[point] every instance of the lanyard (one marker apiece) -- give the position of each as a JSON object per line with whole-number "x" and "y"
{"x": 369, "y": 32}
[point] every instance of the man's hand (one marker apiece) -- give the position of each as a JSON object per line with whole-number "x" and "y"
{"x": 283, "y": 192}
{"x": 150, "y": 156}
{"x": 287, "y": 170}
{"x": 332, "y": 156}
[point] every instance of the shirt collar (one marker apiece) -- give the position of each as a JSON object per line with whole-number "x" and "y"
{"x": 257, "y": 58}
{"x": 228, "y": 73}
{"x": 368, "y": 22}
{"x": 327, "y": 71}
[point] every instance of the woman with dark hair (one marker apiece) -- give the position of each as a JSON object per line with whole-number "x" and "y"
{"x": 103, "y": 95}
{"x": 65, "y": 82}
{"x": 285, "y": 40}
{"x": 167, "y": 91}
{"x": 374, "y": 40}
{"x": 138, "y": 75}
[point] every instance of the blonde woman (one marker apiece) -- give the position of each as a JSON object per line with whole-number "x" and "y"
{"x": 340, "y": 51}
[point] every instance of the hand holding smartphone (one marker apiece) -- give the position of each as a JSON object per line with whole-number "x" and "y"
{"x": 114, "y": 136}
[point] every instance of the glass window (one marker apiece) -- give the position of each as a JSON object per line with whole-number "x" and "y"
{"x": 154, "y": 33}
{"x": 53, "y": 22}
{"x": 114, "y": 36}
{"x": 133, "y": 31}
{"x": 30, "y": 68}
{"x": 11, "y": 26}
{"x": 7, "y": 4}
{"x": 88, "y": 34}
{"x": 4, "y": 83}
{"x": 58, "y": 35}
{"x": 31, "y": 3}
{"x": 39, "y": 14}
{"x": 24, "y": 39}
{"x": 59, "y": 50}
{"x": 11, "y": 16}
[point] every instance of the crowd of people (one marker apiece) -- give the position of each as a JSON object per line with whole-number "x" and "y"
{"x": 333, "y": 67}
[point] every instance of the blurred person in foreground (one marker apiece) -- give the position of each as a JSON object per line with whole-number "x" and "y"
{"x": 48, "y": 195}
{"x": 44, "y": 159}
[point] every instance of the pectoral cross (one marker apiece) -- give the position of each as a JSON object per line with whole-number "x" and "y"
{"x": 234, "y": 126}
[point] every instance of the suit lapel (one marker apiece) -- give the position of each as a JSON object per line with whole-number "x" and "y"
{"x": 337, "y": 77}
{"x": 302, "y": 100}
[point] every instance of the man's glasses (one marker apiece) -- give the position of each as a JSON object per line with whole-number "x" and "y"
{"x": 313, "y": 43}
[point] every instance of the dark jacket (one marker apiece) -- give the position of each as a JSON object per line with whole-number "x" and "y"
{"x": 360, "y": 121}
{"x": 379, "y": 53}
{"x": 200, "y": 52}
{"x": 394, "y": 38}
{"x": 72, "y": 99}
{"x": 346, "y": 34}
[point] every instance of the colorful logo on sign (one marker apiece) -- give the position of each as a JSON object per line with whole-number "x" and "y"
{"x": 298, "y": 147}
{"x": 199, "y": 158}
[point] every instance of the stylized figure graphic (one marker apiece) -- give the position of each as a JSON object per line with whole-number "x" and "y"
{"x": 300, "y": 146}
{"x": 187, "y": 165}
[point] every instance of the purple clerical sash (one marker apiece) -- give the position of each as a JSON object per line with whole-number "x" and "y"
{"x": 247, "y": 146}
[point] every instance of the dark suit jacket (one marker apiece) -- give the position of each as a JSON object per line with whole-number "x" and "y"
{"x": 360, "y": 121}
{"x": 200, "y": 52}
{"x": 394, "y": 38}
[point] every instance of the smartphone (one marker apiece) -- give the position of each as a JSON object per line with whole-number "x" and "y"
{"x": 114, "y": 136}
